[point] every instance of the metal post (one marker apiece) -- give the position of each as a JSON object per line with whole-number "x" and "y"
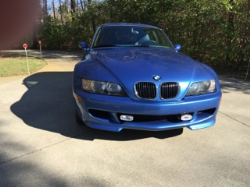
{"x": 41, "y": 51}
{"x": 27, "y": 61}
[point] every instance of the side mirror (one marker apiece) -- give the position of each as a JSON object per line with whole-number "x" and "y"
{"x": 177, "y": 47}
{"x": 84, "y": 46}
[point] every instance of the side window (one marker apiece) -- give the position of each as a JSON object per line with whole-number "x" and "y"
{"x": 152, "y": 36}
{"x": 158, "y": 37}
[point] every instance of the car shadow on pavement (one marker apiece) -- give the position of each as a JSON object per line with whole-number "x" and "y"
{"x": 48, "y": 105}
{"x": 232, "y": 84}
{"x": 126, "y": 135}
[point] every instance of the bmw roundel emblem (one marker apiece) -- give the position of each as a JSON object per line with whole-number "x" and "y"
{"x": 156, "y": 77}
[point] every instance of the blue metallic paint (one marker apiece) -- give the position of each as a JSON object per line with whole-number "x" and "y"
{"x": 128, "y": 65}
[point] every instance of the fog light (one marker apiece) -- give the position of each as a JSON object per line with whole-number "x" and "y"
{"x": 126, "y": 118}
{"x": 186, "y": 117}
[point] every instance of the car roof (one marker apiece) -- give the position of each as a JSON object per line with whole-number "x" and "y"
{"x": 127, "y": 24}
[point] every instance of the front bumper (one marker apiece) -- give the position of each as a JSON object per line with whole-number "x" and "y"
{"x": 102, "y": 112}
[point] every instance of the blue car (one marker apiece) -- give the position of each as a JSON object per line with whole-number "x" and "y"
{"x": 133, "y": 77}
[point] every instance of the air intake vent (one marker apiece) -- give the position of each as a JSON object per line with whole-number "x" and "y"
{"x": 145, "y": 90}
{"x": 169, "y": 90}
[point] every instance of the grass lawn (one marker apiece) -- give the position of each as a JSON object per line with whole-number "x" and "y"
{"x": 18, "y": 66}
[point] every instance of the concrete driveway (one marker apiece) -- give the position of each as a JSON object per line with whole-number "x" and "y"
{"x": 41, "y": 145}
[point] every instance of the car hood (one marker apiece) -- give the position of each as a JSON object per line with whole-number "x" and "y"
{"x": 141, "y": 64}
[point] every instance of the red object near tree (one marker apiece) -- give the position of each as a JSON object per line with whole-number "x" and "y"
{"x": 40, "y": 42}
{"x": 25, "y": 46}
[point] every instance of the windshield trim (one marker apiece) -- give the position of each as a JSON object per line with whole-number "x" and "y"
{"x": 98, "y": 31}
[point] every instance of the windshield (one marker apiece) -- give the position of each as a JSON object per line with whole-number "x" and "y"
{"x": 131, "y": 36}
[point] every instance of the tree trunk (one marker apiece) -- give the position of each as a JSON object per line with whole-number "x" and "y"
{"x": 230, "y": 31}
{"x": 61, "y": 11}
{"x": 82, "y": 5}
{"x": 45, "y": 8}
{"x": 73, "y": 8}
{"x": 66, "y": 3}
{"x": 244, "y": 34}
{"x": 53, "y": 8}
{"x": 92, "y": 17}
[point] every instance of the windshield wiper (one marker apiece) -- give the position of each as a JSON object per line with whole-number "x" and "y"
{"x": 107, "y": 45}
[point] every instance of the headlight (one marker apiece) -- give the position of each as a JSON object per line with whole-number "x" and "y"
{"x": 203, "y": 87}
{"x": 101, "y": 87}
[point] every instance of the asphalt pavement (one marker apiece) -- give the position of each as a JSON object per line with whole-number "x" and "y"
{"x": 41, "y": 144}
